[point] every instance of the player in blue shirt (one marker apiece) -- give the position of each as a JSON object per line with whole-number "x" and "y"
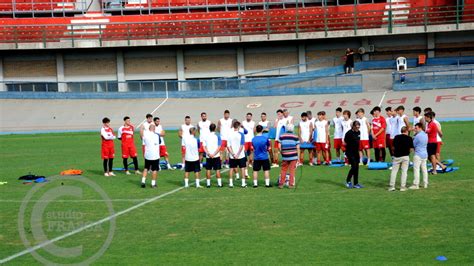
{"x": 261, "y": 146}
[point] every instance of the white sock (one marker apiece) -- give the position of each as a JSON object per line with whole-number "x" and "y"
{"x": 219, "y": 182}
{"x": 368, "y": 160}
{"x": 186, "y": 182}
{"x": 361, "y": 159}
{"x": 237, "y": 176}
{"x": 267, "y": 182}
{"x": 143, "y": 179}
{"x": 198, "y": 182}
{"x": 153, "y": 182}
{"x": 243, "y": 182}
{"x": 208, "y": 182}
{"x": 246, "y": 172}
{"x": 255, "y": 182}
{"x": 231, "y": 182}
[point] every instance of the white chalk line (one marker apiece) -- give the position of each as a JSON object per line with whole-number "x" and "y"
{"x": 381, "y": 100}
{"x": 80, "y": 229}
{"x": 158, "y": 107}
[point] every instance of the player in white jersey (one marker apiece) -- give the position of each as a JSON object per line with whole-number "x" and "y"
{"x": 235, "y": 147}
{"x": 338, "y": 136}
{"x": 346, "y": 126}
{"x": 322, "y": 137}
{"x": 389, "y": 129}
{"x": 203, "y": 130}
{"x": 403, "y": 120}
{"x": 144, "y": 127}
{"x": 305, "y": 134}
{"x": 184, "y": 132}
{"x": 264, "y": 122}
{"x": 365, "y": 130}
{"x": 163, "y": 150}
{"x": 312, "y": 119}
{"x": 191, "y": 157}
{"x": 249, "y": 125}
{"x": 212, "y": 147}
{"x": 279, "y": 125}
{"x": 288, "y": 117}
{"x": 224, "y": 125}
{"x": 417, "y": 117}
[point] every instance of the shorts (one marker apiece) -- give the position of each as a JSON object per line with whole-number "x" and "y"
{"x": 322, "y": 146}
{"x": 183, "y": 150}
{"x": 213, "y": 163}
{"x": 259, "y": 164}
{"x": 129, "y": 150}
{"x": 248, "y": 146}
{"x": 364, "y": 144}
{"x": 201, "y": 149}
{"x": 379, "y": 143}
{"x": 238, "y": 163}
{"x": 223, "y": 145}
{"x": 192, "y": 166}
{"x": 152, "y": 165}
{"x": 337, "y": 144}
{"x": 276, "y": 145}
{"x": 163, "y": 151}
{"x": 432, "y": 148}
{"x": 108, "y": 152}
{"x": 438, "y": 150}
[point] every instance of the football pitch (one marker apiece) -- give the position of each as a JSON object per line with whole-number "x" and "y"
{"x": 321, "y": 222}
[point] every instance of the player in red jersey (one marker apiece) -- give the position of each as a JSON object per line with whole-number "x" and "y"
{"x": 125, "y": 134}
{"x": 378, "y": 134}
{"x": 432, "y": 130}
{"x": 108, "y": 152}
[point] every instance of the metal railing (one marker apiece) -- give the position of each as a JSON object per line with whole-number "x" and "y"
{"x": 43, "y": 7}
{"x": 433, "y": 79}
{"x": 261, "y": 22}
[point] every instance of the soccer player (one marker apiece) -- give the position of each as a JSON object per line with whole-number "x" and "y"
{"x": 261, "y": 145}
{"x": 125, "y": 133}
{"x": 211, "y": 144}
{"x": 203, "y": 130}
{"x": 364, "y": 135}
{"x": 145, "y": 126}
{"x": 279, "y": 125}
{"x": 235, "y": 147}
{"x": 346, "y": 126}
{"x": 191, "y": 157}
{"x": 337, "y": 124}
{"x": 389, "y": 130}
{"x": 183, "y": 132}
{"x": 322, "y": 137}
{"x": 305, "y": 134}
{"x": 163, "y": 150}
{"x": 249, "y": 125}
{"x": 224, "y": 125}
{"x": 433, "y": 130}
{"x": 312, "y": 119}
{"x": 264, "y": 122}
{"x": 438, "y": 137}
{"x": 288, "y": 117}
{"x": 108, "y": 152}
{"x": 378, "y": 134}
{"x": 402, "y": 120}
{"x": 152, "y": 155}
{"x": 417, "y": 117}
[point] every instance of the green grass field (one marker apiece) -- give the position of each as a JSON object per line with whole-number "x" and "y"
{"x": 321, "y": 222}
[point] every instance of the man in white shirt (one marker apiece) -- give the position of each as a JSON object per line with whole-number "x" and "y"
{"x": 144, "y": 127}
{"x": 305, "y": 134}
{"x": 403, "y": 120}
{"x": 364, "y": 145}
{"x": 322, "y": 137}
{"x": 279, "y": 125}
{"x": 346, "y": 126}
{"x": 211, "y": 144}
{"x": 288, "y": 117}
{"x": 163, "y": 150}
{"x": 389, "y": 130}
{"x": 237, "y": 159}
{"x": 191, "y": 157}
{"x": 337, "y": 124}
{"x": 249, "y": 125}
{"x": 152, "y": 154}
{"x": 224, "y": 125}
{"x": 184, "y": 132}
{"x": 203, "y": 130}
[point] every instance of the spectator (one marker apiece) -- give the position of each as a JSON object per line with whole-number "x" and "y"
{"x": 349, "y": 65}
{"x": 351, "y": 142}
{"x": 290, "y": 148}
{"x": 420, "y": 142}
{"x": 402, "y": 144}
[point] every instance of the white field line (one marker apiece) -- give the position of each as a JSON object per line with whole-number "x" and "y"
{"x": 80, "y": 229}
{"x": 158, "y": 107}
{"x": 381, "y": 100}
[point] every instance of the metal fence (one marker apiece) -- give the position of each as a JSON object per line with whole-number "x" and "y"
{"x": 255, "y": 22}
{"x": 435, "y": 79}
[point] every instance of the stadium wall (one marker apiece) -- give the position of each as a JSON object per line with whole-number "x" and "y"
{"x": 219, "y": 60}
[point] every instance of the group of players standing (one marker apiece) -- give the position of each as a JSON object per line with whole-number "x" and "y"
{"x": 239, "y": 145}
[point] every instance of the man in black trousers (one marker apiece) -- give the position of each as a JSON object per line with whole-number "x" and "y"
{"x": 351, "y": 140}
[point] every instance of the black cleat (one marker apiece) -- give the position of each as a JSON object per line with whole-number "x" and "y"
{"x": 255, "y": 186}
{"x": 219, "y": 186}
{"x": 269, "y": 186}
{"x": 208, "y": 186}
{"x": 143, "y": 185}
{"x": 154, "y": 186}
